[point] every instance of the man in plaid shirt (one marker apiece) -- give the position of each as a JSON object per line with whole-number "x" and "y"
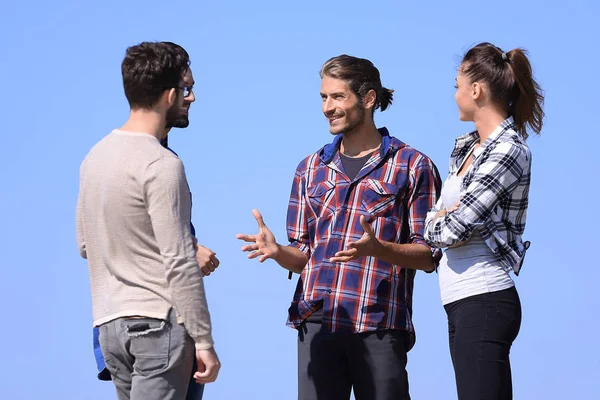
{"x": 355, "y": 225}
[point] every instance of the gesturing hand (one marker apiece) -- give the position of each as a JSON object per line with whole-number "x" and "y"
{"x": 367, "y": 245}
{"x": 263, "y": 243}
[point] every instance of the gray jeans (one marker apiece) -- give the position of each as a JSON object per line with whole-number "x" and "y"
{"x": 148, "y": 358}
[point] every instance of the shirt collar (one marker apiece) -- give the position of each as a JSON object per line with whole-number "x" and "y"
{"x": 466, "y": 141}
{"x": 387, "y": 144}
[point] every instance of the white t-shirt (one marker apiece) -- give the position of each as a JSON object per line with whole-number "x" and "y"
{"x": 471, "y": 268}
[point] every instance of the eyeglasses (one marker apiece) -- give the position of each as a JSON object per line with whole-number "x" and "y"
{"x": 187, "y": 90}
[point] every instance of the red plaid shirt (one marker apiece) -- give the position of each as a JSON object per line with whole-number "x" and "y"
{"x": 395, "y": 189}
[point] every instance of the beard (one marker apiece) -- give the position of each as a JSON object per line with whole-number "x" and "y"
{"x": 175, "y": 119}
{"x": 350, "y": 125}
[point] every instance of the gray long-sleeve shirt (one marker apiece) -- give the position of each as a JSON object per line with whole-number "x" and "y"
{"x": 133, "y": 226}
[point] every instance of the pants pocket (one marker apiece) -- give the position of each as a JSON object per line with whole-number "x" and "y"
{"x": 150, "y": 343}
{"x": 108, "y": 344}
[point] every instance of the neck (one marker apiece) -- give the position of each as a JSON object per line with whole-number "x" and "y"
{"x": 487, "y": 121}
{"x": 362, "y": 140}
{"x": 146, "y": 121}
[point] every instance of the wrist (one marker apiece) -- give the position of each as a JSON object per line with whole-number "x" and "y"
{"x": 277, "y": 252}
{"x": 379, "y": 249}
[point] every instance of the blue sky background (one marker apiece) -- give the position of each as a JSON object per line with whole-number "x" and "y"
{"x": 257, "y": 114}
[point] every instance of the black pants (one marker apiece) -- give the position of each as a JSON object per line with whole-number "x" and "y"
{"x": 330, "y": 365}
{"x": 481, "y": 330}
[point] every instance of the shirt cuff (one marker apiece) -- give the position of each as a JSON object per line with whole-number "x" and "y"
{"x": 204, "y": 342}
{"x": 436, "y": 254}
{"x": 303, "y": 247}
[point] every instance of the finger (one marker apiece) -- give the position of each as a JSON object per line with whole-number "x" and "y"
{"x": 246, "y": 238}
{"x": 199, "y": 378}
{"x": 202, "y": 378}
{"x": 214, "y": 261}
{"x": 259, "y": 218}
{"x": 365, "y": 225}
{"x": 339, "y": 259}
{"x": 255, "y": 254}
{"x": 265, "y": 257}
{"x": 208, "y": 375}
{"x": 355, "y": 245}
{"x": 205, "y": 271}
{"x": 250, "y": 247}
{"x": 346, "y": 253}
{"x": 211, "y": 266}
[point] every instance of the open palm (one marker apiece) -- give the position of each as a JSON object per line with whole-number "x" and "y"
{"x": 263, "y": 244}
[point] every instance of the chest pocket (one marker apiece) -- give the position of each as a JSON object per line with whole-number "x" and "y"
{"x": 379, "y": 197}
{"x": 321, "y": 198}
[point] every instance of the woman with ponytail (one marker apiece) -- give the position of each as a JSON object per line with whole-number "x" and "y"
{"x": 480, "y": 217}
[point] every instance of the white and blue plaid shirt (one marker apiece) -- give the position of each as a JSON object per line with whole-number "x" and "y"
{"x": 494, "y": 196}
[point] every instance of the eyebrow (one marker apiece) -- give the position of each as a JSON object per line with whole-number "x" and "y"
{"x": 334, "y": 94}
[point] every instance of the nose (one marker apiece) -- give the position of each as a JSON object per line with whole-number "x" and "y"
{"x": 191, "y": 97}
{"x": 327, "y": 106}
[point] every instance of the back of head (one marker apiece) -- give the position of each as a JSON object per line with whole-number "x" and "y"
{"x": 510, "y": 80}
{"x": 361, "y": 75}
{"x": 150, "y": 68}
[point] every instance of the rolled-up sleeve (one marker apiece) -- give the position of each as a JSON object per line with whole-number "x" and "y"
{"x": 297, "y": 222}
{"x": 424, "y": 193}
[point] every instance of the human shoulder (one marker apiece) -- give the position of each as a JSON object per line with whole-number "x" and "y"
{"x": 511, "y": 145}
{"x": 311, "y": 161}
{"x": 416, "y": 159}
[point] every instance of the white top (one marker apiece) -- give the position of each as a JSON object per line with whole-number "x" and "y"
{"x": 133, "y": 226}
{"x": 470, "y": 268}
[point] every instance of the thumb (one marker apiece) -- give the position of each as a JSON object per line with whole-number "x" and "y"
{"x": 366, "y": 226}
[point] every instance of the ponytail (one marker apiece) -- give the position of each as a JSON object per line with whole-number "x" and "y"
{"x": 385, "y": 98}
{"x": 526, "y": 104}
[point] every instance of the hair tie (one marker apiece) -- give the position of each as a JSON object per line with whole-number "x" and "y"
{"x": 504, "y": 57}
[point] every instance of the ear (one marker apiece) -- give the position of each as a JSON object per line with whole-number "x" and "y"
{"x": 476, "y": 90}
{"x": 369, "y": 99}
{"x": 168, "y": 98}
{"x": 171, "y": 96}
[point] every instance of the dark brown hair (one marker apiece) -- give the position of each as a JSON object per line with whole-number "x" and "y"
{"x": 509, "y": 78}
{"x": 149, "y": 69}
{"x": 361, "y": 75}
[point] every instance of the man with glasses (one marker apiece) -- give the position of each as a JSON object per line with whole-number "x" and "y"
{"x": 133, "y": 227}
